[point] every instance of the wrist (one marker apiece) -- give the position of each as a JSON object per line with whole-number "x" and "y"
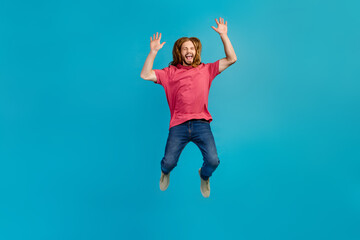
{"x": 223, "y": 34}
{"x": 153, "y": 51}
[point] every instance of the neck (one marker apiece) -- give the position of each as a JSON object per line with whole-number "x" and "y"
{"x": 185, "y": 64}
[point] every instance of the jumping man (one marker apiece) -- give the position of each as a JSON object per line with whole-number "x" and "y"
{"x": 187, "y": 84}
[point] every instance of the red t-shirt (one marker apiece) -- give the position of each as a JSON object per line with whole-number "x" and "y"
{"x": 187, "y": 90}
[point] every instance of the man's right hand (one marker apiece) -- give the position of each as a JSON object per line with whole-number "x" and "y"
{"x": 155, "y": 43}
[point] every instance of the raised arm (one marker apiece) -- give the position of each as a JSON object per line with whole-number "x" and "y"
{"x": 229, "y": 50}
{"x": 147, "y": 73}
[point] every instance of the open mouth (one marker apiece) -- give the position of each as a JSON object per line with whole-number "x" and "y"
{"x": 189, "y": 57}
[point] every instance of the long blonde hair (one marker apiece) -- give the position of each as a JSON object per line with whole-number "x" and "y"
{"x": 177, "y": 51}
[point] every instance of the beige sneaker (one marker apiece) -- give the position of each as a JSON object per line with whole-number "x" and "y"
{"x": 204, "y": 186}
{"x": 164, "y": 181}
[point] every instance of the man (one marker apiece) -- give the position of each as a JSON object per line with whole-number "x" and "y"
{"x": 187, "y": 83}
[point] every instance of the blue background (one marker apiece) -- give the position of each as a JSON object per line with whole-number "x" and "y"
{"x": 82, "y": 135}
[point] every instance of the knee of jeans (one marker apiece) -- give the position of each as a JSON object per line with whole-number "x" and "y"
{"x": 169, "y": 162}
{"x": 214, "y": 161}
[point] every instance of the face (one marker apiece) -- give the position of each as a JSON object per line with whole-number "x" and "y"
{"x": 187, "y": 53}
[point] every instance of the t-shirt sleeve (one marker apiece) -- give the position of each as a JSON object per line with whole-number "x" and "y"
{"x": 162, "y": 76}
{"x": 214, "y": 69}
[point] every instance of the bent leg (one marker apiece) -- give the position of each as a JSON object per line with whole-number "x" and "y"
{"x": 177, "y": 140}
{"x": 204, "y": 139}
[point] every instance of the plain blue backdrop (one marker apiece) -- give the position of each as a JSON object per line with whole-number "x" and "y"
{"x": 82, "y": 135}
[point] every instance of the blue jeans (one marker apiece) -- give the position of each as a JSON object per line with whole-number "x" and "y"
{"x": 199, "y": 132}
